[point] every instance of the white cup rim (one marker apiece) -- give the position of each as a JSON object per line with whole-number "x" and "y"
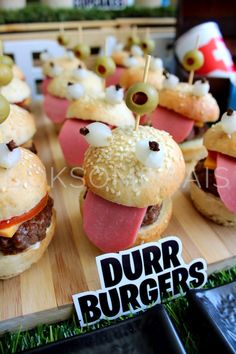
{"x": 198, "y": 27}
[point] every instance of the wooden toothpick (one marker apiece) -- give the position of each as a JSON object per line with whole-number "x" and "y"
{"x": 191, "y": 74}
{"x": 80, "y": 30}
{"x": 145, "y": 77}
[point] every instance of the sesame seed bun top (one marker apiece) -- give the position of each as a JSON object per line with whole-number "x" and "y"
{"x": 63, "y": 62}
{"x": 98, "y": 109}
{"x": 181, "y": 100}
{"x": 22, "y": 186}
{"x": 16, "y": 91}
{"x": 92, "y": 83}
{"x": 19, "y": 126}
{"x": 216, "y": 139}
{"x": 115, "y": 174}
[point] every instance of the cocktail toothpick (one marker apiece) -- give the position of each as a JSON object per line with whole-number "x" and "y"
{"x": 145, "y": 77}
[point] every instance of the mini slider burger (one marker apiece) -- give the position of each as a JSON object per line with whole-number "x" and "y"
{"x": 56, "y": 101}
{"x": 27, "y": 220}
{"x": 134, "y": 74}
{"x": 17, "y": 92}
{"x": 130, "y": 175}
{"x": 124, "y": 60}
{"x": 183, "y": 111}
{"x": 53, "y": 67}
{"x": 16, "y": 123}
{"x": 107, "y": 107}
{"x": 130, "y": 179}
{"x": 213, "y": 189}
{"x": 13, "y": 89}
{"x": 19, "y": 126}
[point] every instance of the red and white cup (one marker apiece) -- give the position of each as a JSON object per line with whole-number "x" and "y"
{"x": 218, "y": 61}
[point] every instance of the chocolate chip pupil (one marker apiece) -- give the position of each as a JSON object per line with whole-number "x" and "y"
{"x": 70, "y": 83}
{"x": 230, "y": 112}
{"x": 203, "y": 80}
{"x": 118, "y": 87}
{"x": 140, "y": 98}
{"x": 84, "y": 131}
{"x": 11, "y": 145}
{"x": 154, "y": 146}
{"x": 166, "y": 74}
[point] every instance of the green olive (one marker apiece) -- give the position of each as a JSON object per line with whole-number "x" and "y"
{"x": 133, "y": 40}
{"x": 193, "y": 60}
{"x": 142, "y": 98}
{"x": 148, "y": 46}
{"x": 6, "y": 74}
{"x": 105, "y": 66}
{"x": 63, "y": 40}
{"x": 4, "y": 109}
{"x": 5, "y": 59}
{"x": 82, "y": 51}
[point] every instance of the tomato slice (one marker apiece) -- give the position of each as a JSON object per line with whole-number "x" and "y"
{"x": 26, "y": 216}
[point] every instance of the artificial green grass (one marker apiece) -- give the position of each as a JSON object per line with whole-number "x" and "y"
{"x": 41, "y": 13}
{"x": 177, "y": 309}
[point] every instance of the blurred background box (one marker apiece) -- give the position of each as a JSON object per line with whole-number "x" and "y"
{"x": 58, "y": 3}
{"x": 193, "y": 13}
{"x": 12, "y": 4}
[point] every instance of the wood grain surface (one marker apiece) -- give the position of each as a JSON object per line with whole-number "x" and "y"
{"x": 44, "y": 293}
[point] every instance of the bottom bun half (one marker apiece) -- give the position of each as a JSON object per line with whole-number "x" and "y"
{"x": 154, "y": 231}
{"x": 193, "y": 150}
{"x": 211, "y": 206}
{"x": 13, "y": 265}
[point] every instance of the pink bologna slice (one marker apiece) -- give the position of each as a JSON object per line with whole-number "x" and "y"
{"x": 73, "y": 144}
{"x": 115, "y": 78}
{"x": 109, "y": 226}
{"x": 225, "y": 174}
{"x": 175, "y": 124}
{"x": 44, "y": 85}
{"x": 55, "y": 108}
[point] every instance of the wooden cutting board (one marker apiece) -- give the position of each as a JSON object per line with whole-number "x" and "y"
{"x": 43, "y": 293}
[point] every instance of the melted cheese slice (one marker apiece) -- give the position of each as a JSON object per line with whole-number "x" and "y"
{"x": 10, "y": 231}
{"x": 198, "y": 124}
{"x": 210, "y": 163}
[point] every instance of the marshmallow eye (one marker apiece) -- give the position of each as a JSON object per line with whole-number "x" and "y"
{"x": 114, "y": 94}
{"x": 80, "y": 73}
{"x": 45, "y": 55}
{"x": 55, "y": 70}
{"x": 70, "y": 54}
{"x": 156, "y": 64}
{"x": 9, "y": 155}
{"x": 119, "y": 47}
{"x": 75, "y": 91}
{"x": 97, "y": 134}
{"x": 228, "y": 121}
{"x": 136, "y": 50}
{"x": 201, "y": 87}
{"x": 150, "y": 153}
{"x": 130, "y": 62}
{"x": 171, "y": 81}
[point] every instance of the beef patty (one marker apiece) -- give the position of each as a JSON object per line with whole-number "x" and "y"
{"x": 197, "y": 132}
{"x": 205, "y": 178}
{"x": 29, "y": 233}
{"x": 151, "y": 215}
